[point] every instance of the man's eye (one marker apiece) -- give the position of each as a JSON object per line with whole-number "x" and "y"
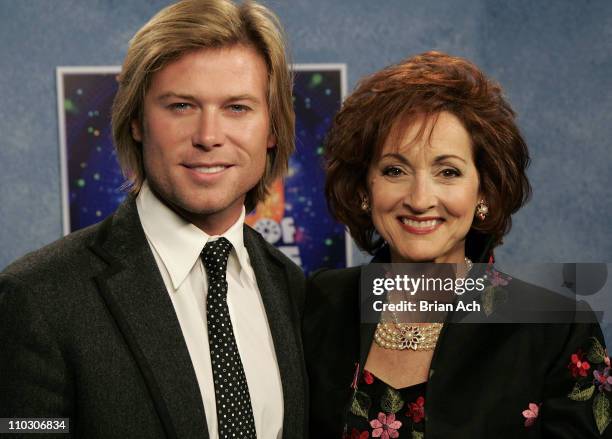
{"x": 237, "y": 108}
{"x": 180, "y": 106}
{"x": 392, "y": 171}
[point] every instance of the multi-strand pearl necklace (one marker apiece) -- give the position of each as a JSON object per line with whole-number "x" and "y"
{"x": 400, "y": 336}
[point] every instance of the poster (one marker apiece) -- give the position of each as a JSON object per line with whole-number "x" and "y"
{"x": 294, "y": 217}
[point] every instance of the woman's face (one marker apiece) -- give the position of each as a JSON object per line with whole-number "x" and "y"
{"x": 423, "y": 192}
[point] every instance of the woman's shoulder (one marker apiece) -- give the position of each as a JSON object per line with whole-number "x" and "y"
{"x": 335, "y": 276}
{"x": 333, "y": 286}
{"x": 331, "y": 293}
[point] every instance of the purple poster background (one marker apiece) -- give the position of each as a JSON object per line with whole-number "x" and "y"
{"x": 294, "y": 218}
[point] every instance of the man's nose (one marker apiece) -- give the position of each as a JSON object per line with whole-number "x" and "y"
{"x": 208, "y": 132}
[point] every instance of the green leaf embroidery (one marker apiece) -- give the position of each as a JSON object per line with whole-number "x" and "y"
{"x": 492, "y": 297}
{"x": 578, "y": 394}
{"x": 602, "y": 412}
{"x": 597, "y": 353}
{"x": 487, "y": 300}
{"x": 361, "y": 404}
{"x": 392, "y": 401}
{"x": 417, "y": 435}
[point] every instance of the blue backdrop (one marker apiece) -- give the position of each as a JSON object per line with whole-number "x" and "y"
{"x": 553, "y": 58}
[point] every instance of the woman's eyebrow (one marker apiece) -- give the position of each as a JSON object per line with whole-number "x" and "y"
{"x": 437, "y": 159}
{"x": 397, "y": 156}
{"x": 443, "y": 157}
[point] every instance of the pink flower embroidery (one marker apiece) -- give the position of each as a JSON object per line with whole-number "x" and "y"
{"x": 496, "y": 278}
{"x": 416, "y": 410}
{"x": 603, "y": 380}
{"x": 531, "y": 414}
{"x": 578, "y": 365}
{"x": 385, "y": 426}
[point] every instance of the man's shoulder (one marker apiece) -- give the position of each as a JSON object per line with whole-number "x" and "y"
{"x": 67, "y": 256}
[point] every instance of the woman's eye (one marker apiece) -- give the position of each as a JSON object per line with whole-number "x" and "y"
{"x": 392, "y": 171}
{"x": 450, "y": 172}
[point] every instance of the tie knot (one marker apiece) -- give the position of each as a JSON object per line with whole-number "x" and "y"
{"x": 215, "y": 256}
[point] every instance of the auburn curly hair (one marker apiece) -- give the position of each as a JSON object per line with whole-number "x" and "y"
{"x": 421, "y": 87}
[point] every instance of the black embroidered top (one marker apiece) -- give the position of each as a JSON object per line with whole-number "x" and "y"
{"x": 502, "y": 381}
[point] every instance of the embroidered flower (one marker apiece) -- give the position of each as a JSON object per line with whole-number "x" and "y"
{"x": 416, "y": 410}
{"x": 603, "y": 379}
{"x": 496, "y": 278}
{"x": 385, "y": 426}
{"x": 356, "y": 434}
{"x": 368, "y": 377}
{"x": 531, "y": 414}
{"x": 586, "y": 385}
{"x": 579, "y": 366}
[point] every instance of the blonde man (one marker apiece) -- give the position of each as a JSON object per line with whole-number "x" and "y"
{"x": 172, "y": 318}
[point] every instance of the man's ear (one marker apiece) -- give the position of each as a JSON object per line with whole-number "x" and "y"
{"x": 136, "y": 131}
{"x": 271, "y": 141}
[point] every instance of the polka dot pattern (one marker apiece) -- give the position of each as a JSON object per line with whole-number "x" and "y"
{"x": 234, "y": 410}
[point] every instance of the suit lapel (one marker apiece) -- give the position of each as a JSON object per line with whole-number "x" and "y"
{"x": 275, "y": 288}
{"x": 136, "y": 296}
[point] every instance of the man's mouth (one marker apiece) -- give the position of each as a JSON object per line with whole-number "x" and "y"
{"x": 210, "y": 169}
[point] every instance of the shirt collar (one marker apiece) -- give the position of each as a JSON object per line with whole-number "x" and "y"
{"x": 177, "y": 241}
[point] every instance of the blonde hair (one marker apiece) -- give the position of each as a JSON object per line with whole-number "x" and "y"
{"x": 197, "y": 24}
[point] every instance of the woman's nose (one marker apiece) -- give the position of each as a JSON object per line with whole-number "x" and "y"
{"x": 420, "y": 195}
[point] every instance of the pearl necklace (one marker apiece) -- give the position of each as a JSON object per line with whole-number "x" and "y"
{"x": 401, "y": 336}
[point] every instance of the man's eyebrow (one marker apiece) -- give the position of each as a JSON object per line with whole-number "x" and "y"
{"x": 171, "y": 94}
{"x": 188, "y": 97}
{"x": 243, "y": 97}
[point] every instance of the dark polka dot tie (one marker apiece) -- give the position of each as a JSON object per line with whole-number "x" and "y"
{"x": 234, "y": 410}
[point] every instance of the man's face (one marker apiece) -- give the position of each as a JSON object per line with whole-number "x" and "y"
{"x": 205, "y": 133}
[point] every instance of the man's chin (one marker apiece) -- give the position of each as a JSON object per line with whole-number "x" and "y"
{"x": 210, "y": 208}
{"x": 203, "y": 209}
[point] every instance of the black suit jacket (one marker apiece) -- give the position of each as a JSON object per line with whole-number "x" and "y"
{"x": 88, "y": 331}
{"x": 482, "y": 376}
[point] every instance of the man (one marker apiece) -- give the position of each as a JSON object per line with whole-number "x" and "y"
{"x": 172, "y": 318}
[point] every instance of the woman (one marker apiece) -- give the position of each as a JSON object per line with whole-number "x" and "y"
{"x": 425, "y": 163}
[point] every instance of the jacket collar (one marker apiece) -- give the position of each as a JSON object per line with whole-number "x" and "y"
{"x": 276, "y": 288}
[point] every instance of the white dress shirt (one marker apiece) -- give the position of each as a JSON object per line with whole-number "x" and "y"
{"x": 176, "y": 245}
